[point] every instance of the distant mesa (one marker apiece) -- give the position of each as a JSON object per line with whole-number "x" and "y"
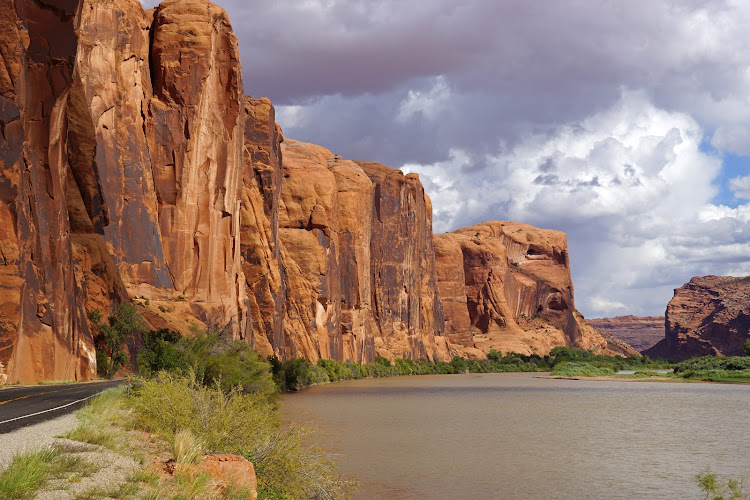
{"x": 639, "y": 332}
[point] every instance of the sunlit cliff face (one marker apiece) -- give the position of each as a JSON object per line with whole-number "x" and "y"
{"x": 507, "y": 285}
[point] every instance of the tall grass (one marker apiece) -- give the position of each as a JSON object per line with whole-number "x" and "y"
{"x": 29, "y": 471}
{"x": 241, "y": 423}
{"x": 715, "y": 369}
{"x": 100, "y": 419}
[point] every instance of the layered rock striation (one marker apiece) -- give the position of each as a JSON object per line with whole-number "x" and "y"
{"x": 709, "y": 315}
{"x": 507, "y": 286}
{"x": 639, "y": 332}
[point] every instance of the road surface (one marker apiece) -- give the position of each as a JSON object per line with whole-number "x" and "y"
{"x": 22, "y": 406}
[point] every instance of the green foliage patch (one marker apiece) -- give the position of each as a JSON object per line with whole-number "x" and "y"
{"x": 715, "y": 369}
{"x": 242, "y": 423}
{"x": 110, "y": 336}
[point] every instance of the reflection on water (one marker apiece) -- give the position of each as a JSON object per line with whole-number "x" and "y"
{"x": 517, "y": 436}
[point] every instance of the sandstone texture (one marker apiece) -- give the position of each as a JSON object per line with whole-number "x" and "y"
{"x": 232, "y": 469}
{"x": 507, "y": 286}
{"x": 121, "y": 167}
{"x": 355, "y": 240}
{"x": 639, "y": 332}
{"x": 710, "y": 315}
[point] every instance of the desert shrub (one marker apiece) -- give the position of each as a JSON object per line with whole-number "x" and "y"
{"x": 356, "y": 369}
{"x": 336, "y": 370}
{"x": 212, "y": 357}
{"x": 581, "y": 369}
{"x": 382, "y": 361}
{"x": 236, "y": 422}
{"x": 296, "y": 374}
{"x": 235, "y": 364}
{"x": 459, "y": 364}
{"x": 404, "y": 367}
{"x": 716, "y": 487}
{"x": 695, "y": 366}
{"x": 495, "y": 355}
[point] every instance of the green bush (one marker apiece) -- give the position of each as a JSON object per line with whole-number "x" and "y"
{"x": 296, "y": 374}
{"x": 715, "y": 368}
{"x": 160, "y": 352}
{"x": 716, "y": 487}
{"x": 336, "y": 370}
{"x": 241, "y": 423}
{"x": 212, "y": 357}
{"x": 581, "y": 369}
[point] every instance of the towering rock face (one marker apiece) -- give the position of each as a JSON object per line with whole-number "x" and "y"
{"x": 710, "y": 315}
{"x": 639, "y": 332}
{"x": 43, "y": 333}
{"x": 405, "y": 301}
{"x": 115, "y": 181}
{"x": 195, "y": 130}
{"x": 507, "y": 286}
{"x": 259, "y": 226}
{"x": 357, "y": 261}
{"x": 308, "y": 232}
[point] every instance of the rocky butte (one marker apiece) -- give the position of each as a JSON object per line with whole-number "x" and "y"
{"x": 507, "y": 286}
{"x": 133, "y": 167}
{"x": 709, "y": 315}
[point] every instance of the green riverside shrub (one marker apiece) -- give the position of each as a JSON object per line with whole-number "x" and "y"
{"x": 581, "y": 369}
{"x": 241, "y": 423}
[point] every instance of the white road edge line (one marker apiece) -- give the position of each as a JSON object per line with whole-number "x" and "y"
{"x": 47, "y": 411}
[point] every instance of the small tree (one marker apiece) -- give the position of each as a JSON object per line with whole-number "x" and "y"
{"x": 110, "y": 337}
{"x": 747, "y": 347}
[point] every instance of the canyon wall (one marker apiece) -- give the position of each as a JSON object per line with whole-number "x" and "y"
{"x": 709, "y": 315}
{"x": 507, "y": 286}
{"x": 355, "y": 242}
{"x": 134, "y": 168}
{"x": 122, "y": 167}
{"x": 639, "y": 332}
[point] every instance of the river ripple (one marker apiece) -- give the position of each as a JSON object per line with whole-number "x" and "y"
{"x": 515, "y": 436}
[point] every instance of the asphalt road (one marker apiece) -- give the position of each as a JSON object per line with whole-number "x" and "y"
{"x": 22, "y": 406}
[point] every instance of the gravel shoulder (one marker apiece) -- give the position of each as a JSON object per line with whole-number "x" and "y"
{"x": 33, "y": 437}
{"x": 110, "y": 468}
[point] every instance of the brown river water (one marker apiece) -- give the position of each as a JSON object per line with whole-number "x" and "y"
{"x": 516, "y": 436}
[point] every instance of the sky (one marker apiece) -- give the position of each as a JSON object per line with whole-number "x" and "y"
{"x": 625, "y": 124}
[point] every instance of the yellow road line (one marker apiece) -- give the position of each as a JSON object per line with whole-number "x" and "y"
{"x": 37, "y": 394}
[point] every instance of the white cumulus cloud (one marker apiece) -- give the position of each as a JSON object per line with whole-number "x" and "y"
{"x": 631, "y": 187}
{"x": 427, "y": 103}
{"x": 740, "y": 186}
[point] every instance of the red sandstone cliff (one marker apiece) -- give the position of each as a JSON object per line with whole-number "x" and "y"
{"x": 356, "y": 242}
{"x": 639, "y": 332}
{"x": 710, "y": 315}
{"x": 507, "y": 286}
{"x": 121, "y": 171}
